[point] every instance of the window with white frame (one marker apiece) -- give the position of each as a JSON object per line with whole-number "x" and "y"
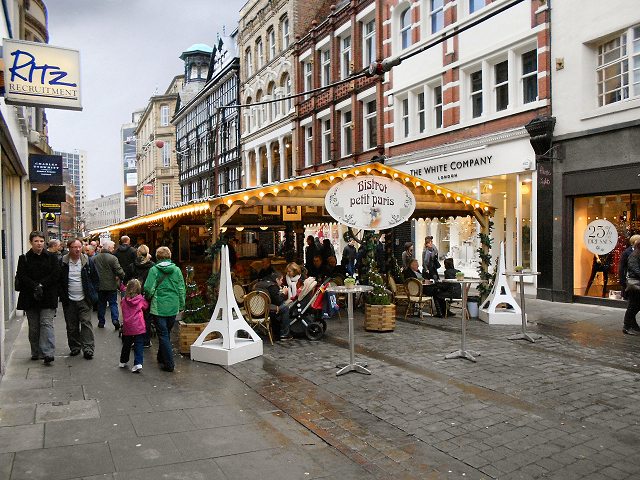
{"x": 185, "y": 193}
{"x": 234, "y": 178}
{"x": 345, "y": 57}
{"x": 259, "y": 53}
{"x": 166, "y": 155}
{"x": 476, "y": 94}
{"x": 475, "y": 5}
{"x": 529, "y": 76}
{"x": 248, "y": 59}
{"x": 405, "y": 28}
{"x": 194, "y": 190}
{"x": 222, "y": 183}
{"x": 308, "y": 146}
{"x": 286, "y": 84}
{"x": 347, "y": 142}
{"x": 326, "y": 140}
{"x": 274, "y": 107}
{"x": 437, "y": 106}
{"x": 371, "y": 125}
{"x": 436, "y": 15}
{"x": 502, "y": 85}
{"x": 369, "y": 43}
{"x": 308, "y": 77}
{"x": 422, "y": 120}
{"x": 166, "y": 194}
{"x": 326, "y": 67}
{"x": 615, "y": 58}
{"x": 164, "y": 115}
{"x": 271, "y": 39}
{"x": 405, "y": 117}
{"x": 284, "y": 25}
{"x": 205, "y": 187}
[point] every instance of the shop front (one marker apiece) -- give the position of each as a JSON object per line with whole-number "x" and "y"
{"x": 499, "y": 170}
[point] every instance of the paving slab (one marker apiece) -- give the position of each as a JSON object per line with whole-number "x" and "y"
{"x": 21, "y": 437}
{"x": 78, "y": 432}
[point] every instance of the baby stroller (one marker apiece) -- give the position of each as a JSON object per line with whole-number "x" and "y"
{"x": 304, "y": 315}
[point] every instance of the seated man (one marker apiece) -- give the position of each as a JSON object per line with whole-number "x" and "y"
{"x": 267, "y": 270}
{"x": 317, "y": 270}
{"x": 334, "y": 269}
{"x": 272, "y": 286}
{"x": 412, "y": 270}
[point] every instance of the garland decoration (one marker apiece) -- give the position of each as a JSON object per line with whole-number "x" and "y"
{"x": 484, "y": 250}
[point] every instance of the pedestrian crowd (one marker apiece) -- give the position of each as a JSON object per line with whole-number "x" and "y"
{"x": 88, "y": 275}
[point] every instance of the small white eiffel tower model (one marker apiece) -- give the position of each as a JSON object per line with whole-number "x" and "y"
{"x": 493, "y": 310}
{"x": 226, "y": 320}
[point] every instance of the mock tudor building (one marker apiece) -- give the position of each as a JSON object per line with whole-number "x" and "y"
{"x": 455, "y": 111}
{"x": 207, "y": 125}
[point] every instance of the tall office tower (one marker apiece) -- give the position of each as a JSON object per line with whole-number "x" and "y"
{"x": 76, "y": 162}
{"x": 129, "y": 203}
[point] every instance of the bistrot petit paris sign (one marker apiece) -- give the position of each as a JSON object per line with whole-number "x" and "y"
{"x": 370, "y": 203}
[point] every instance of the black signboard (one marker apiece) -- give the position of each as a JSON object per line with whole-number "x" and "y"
{"x": 50, "y": 208}
{"x": 45, "y": 169}
{"x": 54, "y": 194}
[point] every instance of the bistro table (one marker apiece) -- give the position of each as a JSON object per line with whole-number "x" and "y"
{"x": 524, "y": 335}
{"x": 352, "y": 366}
{"x": 465, "y": 283}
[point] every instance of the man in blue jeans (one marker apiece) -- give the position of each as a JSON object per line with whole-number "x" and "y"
{"x": 111, "y": 276}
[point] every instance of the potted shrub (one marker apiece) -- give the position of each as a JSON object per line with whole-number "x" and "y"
{"x": 379, "y": 312}
{"x": 349, "y": 282}
{"x": 195, "y": 316}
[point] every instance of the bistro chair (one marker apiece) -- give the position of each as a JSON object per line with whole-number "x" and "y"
{"x": 413, "y": 287}
{"x": 399, "y": 297}
{"x": 238, "y": 293}
{"x": 252, "y": 285}
{"x": 257, "y": 306}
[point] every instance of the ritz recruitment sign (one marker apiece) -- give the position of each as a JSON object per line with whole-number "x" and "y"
{"x": 40, "y": 75}
{"x": 370, "y": 203}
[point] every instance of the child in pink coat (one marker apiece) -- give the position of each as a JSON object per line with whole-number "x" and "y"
{"x": 133, "y": 326}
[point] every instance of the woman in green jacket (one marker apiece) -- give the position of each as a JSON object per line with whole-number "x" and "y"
{"x": 166, "y": 291}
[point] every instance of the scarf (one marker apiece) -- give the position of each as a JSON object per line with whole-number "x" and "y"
{"x": 292, "y": 283}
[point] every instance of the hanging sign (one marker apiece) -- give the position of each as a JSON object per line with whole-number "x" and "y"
{"x": 147, "y": 190}
{"x": 600, "y": 237}
{"x": 41, "y": 75}
{"x": 370, "y": 203}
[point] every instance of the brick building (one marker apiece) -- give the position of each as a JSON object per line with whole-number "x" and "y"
{"x": 341, "y": 125}
{"x": 455, "y": 111}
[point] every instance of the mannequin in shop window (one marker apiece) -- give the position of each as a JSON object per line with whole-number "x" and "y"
{"x": 601, "y": 263}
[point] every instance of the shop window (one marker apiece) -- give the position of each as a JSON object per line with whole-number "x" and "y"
{"x": 596, "y": 275}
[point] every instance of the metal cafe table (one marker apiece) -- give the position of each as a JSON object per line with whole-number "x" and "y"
{"x": 465, "y": 283}
{"x": 352, "y": 366}
{"x": 524, "y": 335}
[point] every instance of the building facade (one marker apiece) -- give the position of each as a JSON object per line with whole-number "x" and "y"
{"x": 267, "y": 33}
{"x": 76, "y": 163}
{"x": 340, "y": 125}
{"x": 130, "y": 165}
{"x": 455, "y": 113}
{"x": 105, "y": 210}
{"x": 593, "y": 168}
{"x": 207, "y": 128}
{"x": 156, "y": 162}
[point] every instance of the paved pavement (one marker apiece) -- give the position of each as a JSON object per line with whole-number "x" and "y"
{"x": 565, "y": 407}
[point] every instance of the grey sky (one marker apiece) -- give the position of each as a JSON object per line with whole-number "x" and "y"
{"x": 127, "y": 48}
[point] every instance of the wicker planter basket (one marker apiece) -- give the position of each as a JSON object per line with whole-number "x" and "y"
{"x": 380, "y": 318}
{"x": 189, "y": 333}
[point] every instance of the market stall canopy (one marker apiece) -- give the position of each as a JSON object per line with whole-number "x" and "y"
{"x": 431, "y": 200}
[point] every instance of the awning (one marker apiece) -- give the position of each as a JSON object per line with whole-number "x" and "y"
{"x": 310, "y": 190}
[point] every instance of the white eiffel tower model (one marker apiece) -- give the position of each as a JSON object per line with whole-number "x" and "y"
{"x": 493, "y": 310}
{"x": 226, "y": 320}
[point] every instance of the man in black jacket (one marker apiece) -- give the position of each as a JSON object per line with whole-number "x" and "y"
{"x": 125, "y": 253}
{"x": 37, "y": 278}
{"x": 278, "y": 294}
{"x": 78, "y": 293}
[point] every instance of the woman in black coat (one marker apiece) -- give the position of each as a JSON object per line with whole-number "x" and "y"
{"x": 37, "y": 280}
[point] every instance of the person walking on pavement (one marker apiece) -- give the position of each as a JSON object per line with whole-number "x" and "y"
{"x": 53, "y": 246}
{"x": 166, "y": 289}
{"x": 78, "y": 293}
{"x": 37, "y": 277}
{"x": 140, "y": 270}
{"x": 310, "y": 252}
{"x": 430, "y": 263}
{"x": 111, "y": 275}
{"x": 349, "y": 253}
{"x": 622, "y": 266}
{"x": 133, "y": 325}
{"x": 630, "y": 326}
{"x": 125, "y": 253}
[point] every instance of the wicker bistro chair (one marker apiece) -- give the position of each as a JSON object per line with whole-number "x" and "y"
{"x": 413, "y": 286}
{"x": 399, "y": 296}
{"x": 257, "y": 306}
{"x": 238, "y": 293}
